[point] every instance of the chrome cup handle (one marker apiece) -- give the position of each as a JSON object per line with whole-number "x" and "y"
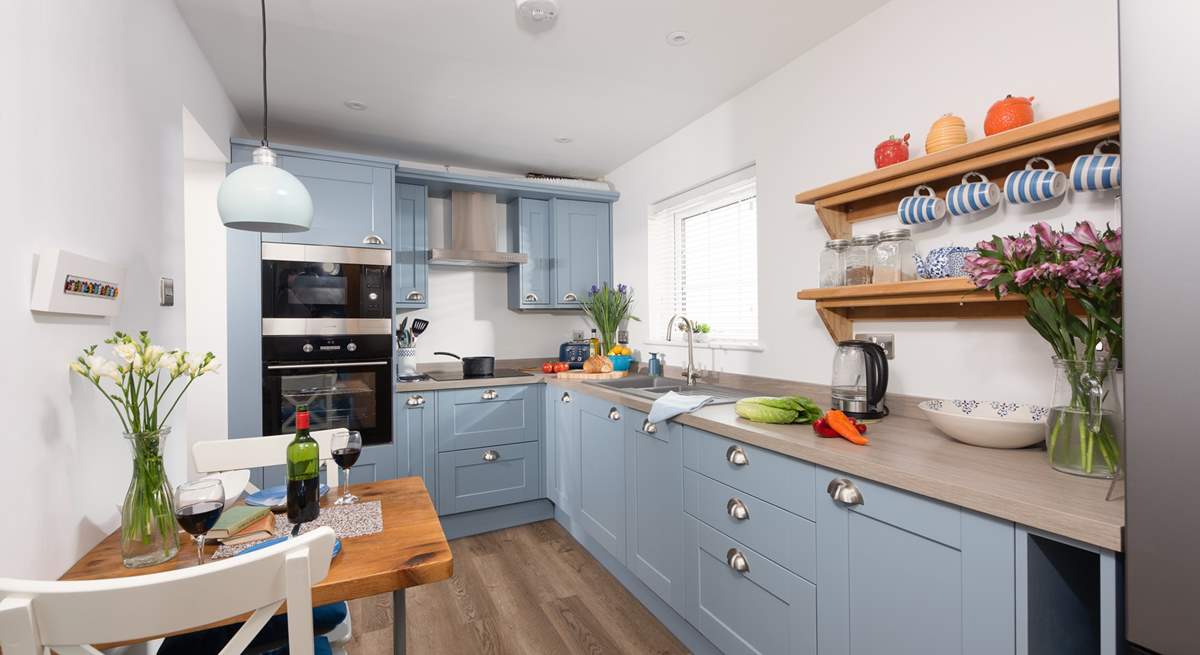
{"x": 490, "y": 394}
{"x": 566, "y": 397}
{"x": 531, "y": 297}
{"x": 490, "y": 455}
{"x": 737, "y": 561}
{"x": 737, "y": 510}
{"x": 844, "y": 492}
{"x": 415, "y": 295}
{"x": 570, "y": 297}
{"x": 736, "y": 456}
{"x": 415, "y": 401}
{"x": 614, "y": 414}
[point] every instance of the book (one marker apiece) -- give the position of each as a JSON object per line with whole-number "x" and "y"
{"x": 237, "y": 519}
{"x": 264, "y": 528}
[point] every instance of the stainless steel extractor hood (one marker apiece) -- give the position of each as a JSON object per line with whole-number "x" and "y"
{"x": 473, "y": 234}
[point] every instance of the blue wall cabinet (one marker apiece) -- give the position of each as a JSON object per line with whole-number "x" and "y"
{"x": 480, "y": 478}
{"x": 654, "y": 505}
{"x": 486, "y": 416}
{"x": 746, "y": 604}
{"x": 530, "y": 284}
{"x": 602, "y": 473}
{"x": 901, "y": 574}
{"x": 410, "y": 248}
{"x": 566, "y": 437}
{"x": 582, "y": 249}
{"x": 351, "y": 200}
{"x": 416, "y": 437}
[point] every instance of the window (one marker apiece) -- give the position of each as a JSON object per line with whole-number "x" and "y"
{"x": 703, "y": 253}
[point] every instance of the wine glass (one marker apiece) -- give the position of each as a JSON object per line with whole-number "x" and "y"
{"x": 198, "y": 505}
{"x": 346, "y": 446}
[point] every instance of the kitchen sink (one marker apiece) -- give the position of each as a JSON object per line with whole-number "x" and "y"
{"x": 652, "y": 387}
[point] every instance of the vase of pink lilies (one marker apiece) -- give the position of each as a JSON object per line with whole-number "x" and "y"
{"x": 1071, "y": 282}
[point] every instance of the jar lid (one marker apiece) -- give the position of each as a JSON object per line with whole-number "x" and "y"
{"x": 866, "y": 240}
{"x": 895, "y": 233}
{"x": 837, "y": 244}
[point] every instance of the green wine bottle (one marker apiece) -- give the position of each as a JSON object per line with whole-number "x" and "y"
{"x": 303, "y": 473}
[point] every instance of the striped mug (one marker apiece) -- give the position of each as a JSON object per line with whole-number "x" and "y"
{"x": 1034, "y": 184}
{"x": 1099, "y": 171}
{"x": 971, "y": 197}
{"x": 923, "y": 206}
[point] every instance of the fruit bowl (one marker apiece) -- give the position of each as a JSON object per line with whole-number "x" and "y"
{"x": 988, "y": 423}
{"x": 620, "y": 362}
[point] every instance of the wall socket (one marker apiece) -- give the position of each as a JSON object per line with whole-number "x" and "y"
{"x": 886, "y": 341}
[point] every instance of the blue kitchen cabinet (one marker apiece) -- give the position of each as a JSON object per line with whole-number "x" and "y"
{"x": 549, "y": 444}
{"x": 903, "y": 574}
{"x": 530, "y": 285}
{"x": 480, "y": 478}
{"x": 410, "y": 248}
{"x": 654, "y": 505}
{"x": 582, "y": 233}
{"x": 352, "y": 199}
{"x": 602, "y": 473}
{"x": 416, "y": 437}
{"x": 487, "y": 416}
{"x": 566, "y": 449}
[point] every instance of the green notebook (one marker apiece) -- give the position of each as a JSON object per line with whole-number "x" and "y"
{"x": 235, "y": 519}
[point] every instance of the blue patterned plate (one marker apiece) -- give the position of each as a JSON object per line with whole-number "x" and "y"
{"x": 267, "y": 543}
{"x": 275, "y": 497}
{"x": 988, "y": 423}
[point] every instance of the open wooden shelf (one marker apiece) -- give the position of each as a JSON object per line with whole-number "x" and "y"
{"x": 870, "y": 195}
{"x": 949, "y": 298}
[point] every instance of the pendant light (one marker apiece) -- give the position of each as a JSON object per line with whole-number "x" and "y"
{"x": 262, "y": 197}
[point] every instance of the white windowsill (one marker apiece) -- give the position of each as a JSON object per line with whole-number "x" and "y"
{"x": 708, "y": 345}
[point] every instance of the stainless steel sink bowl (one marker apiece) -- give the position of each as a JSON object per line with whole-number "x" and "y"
{"x": 651, "y": 388}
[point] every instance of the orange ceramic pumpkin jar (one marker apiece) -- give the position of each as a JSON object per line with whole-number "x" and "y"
{"x": 1007, "y": 113}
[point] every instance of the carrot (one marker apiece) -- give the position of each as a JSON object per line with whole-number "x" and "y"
{"x": 845, "y": 427}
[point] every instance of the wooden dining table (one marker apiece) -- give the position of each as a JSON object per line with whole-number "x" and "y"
{"x": 409, "y": 552}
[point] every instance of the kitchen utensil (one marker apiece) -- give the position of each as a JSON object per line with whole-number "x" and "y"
{"x": 988, "y": 423}
{"x": 860, "y": 378}
{"x": 1098, "y": 171}
{"x": 574, "y": 353}
{"x": 946, "y": 261}
{"x": 1007, "y": 113}
{"x": 418, "y": 327}
{"x": 401, "y": 335}
{"x": 970, "y": 197}
{"x": 474, "y": 367}
{"x": 1034, "y": 184}
{"x": 946, "y": 132}
{"x": 923, "y": 206}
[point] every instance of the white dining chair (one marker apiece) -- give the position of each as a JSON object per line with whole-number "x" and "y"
{"x": 70, "y": 616}
{"x": 223, "y": 455}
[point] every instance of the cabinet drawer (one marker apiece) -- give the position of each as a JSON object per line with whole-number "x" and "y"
{"x": 487, "y": 416}
{"x": 765, "y": 609}
{"x": 922, "y": 516}
{"x": 487, "y": 477}
{"x": 775, "y": 478}
{"x": 780, "y": 535}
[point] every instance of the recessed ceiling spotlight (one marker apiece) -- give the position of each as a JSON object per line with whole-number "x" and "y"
{"x": 538, "y": 11}
{"x": 355, "y": 105}
{"x": 563, "y": 139}
{"x": 678, "y": 38}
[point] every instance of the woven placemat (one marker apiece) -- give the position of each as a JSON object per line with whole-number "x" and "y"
{"x": 357, "y": 520}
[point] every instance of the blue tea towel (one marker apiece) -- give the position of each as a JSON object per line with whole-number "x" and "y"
{"x": 673, "y": 404}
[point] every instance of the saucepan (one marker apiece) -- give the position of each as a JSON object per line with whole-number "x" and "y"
{"x": 474, "y": 367}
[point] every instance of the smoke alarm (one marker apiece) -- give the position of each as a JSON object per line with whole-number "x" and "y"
{"x": 538, "y": 11}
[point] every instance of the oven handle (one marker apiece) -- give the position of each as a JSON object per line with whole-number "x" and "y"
{"x": 327, "y": 365}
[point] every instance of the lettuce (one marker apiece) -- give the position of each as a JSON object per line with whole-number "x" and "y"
{"x": 783, "y": 409}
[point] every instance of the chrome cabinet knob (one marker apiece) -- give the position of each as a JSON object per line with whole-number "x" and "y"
{"x": 490, "y": 394}
{"x": 614, "y": 414}
{"x": 415, "y": 401}
{"x": 490, "y": 455}
{"x": 415, "y": 295}
{"x": 737, "y": 510}
{"x": 373, "y": 240}
{"x": 531, "y": 297}
{"x": 648, "y": 427}
{"x": 737, "y": 561}
{"x": 570, "y": 297}
{"x": 736, "y": 456}
{"x": 844, "y": 492}
{"x": 566, "y": 397}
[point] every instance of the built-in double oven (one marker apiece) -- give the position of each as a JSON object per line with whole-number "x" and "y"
{"x": 326, "y": 326}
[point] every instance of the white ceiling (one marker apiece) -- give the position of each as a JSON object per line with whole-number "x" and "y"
{"x": 462, "y": 82}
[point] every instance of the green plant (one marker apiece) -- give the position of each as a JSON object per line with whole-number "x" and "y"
{"x": 697, "y": 328}
{"x": 606, "y": 308}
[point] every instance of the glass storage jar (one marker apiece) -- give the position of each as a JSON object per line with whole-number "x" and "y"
{"x": 833, "y": 263}
{"x": 893, "y": 259}
{"x": 859, "y": 258}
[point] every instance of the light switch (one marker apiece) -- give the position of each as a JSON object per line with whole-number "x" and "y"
{"x": 166, "y": 292}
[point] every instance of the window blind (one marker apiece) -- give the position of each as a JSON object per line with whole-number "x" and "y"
{"x": 704, "y": 262}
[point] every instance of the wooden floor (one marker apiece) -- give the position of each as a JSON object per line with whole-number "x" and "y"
{"x": 530, "y": 589}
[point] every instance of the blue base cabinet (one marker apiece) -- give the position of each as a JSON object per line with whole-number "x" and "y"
{"x": 416, "y": 437}
{"x": 602, "y": 473}
{"x": 566, "y": 449}
{"x": 654, "y": 505}
{"x": 900, "y": 574}
{"x": 481, "y": 478}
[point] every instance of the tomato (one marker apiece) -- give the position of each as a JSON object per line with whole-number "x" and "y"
{"x": 549, "y": 367}
{"x": 561, "y": 367}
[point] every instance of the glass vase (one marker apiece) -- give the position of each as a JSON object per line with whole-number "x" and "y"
{"x": 1085, "y": 426}
{"x": 608, "y": 339}
{"x": 148, "y": 532}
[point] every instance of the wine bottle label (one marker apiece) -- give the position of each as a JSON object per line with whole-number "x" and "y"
{"x": 302, "y": 421}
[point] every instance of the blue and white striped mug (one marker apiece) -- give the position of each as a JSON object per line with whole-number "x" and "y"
{"x": 971, "y": 197}
{"x": 1099, "y": 171}
{"x": 1034, "y": 184}
{"x": 923, "y": 206}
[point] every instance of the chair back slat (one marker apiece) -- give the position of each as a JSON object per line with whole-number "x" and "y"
{"x": 75, "y": 613}
{"x": 220, "y": 455}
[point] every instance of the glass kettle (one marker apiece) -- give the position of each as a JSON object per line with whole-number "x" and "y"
{"x": 860, "y": 378}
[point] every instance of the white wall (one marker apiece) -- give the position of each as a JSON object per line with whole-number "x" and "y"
{"x": 818, "y": 119}
{"x": 91, "y": 122}
{"x": 468, "y": 307}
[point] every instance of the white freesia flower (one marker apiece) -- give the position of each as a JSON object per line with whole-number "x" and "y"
{"x": 193, "y": 362}
{"x": 79, "y": 368}
{"x": 99, "y": 367}
{"x": 126, "y": 351}
{"x": 211, "y": 367}
{"x": 152, "y": 356}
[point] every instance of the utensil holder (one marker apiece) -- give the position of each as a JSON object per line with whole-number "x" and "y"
{"x": 406, "y": 362}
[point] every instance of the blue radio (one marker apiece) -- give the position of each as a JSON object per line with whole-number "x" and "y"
{"x": 574, "y": 353}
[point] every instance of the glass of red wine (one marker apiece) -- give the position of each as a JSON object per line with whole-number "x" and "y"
{"x": 346, "y": 446}
{"x": 198, "y": 505}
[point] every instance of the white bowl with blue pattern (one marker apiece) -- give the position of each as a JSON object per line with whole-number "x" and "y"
{"x": 988, "y": 423}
